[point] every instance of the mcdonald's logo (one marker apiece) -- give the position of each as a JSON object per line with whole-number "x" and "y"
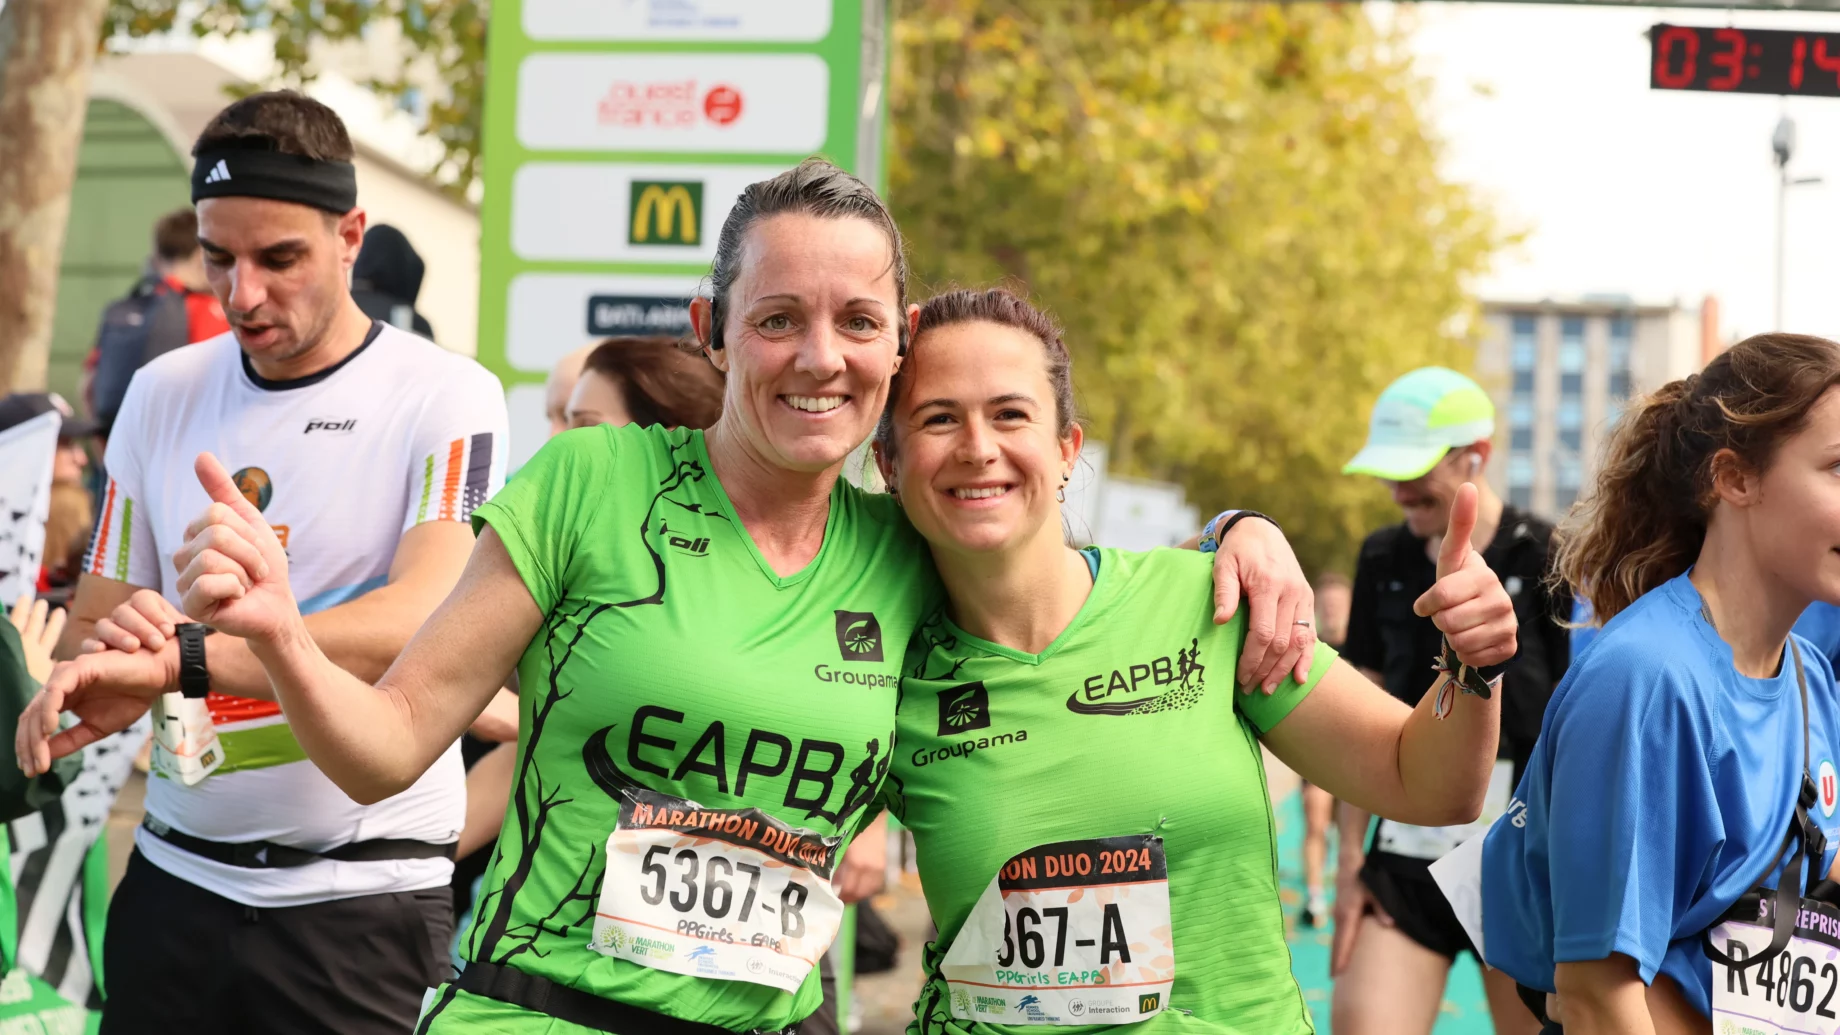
{"x": 667, "y": 213}
{"x": 1149, "y": 1003}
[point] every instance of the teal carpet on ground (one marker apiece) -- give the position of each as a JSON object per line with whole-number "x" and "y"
{"x": 1466, "y": 1008}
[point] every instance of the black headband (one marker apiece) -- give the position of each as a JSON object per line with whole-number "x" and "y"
{"x": 234, "y": 173}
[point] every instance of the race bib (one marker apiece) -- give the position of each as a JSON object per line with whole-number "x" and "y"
{"x": 185, "y": 746}
{"x": 732, "y": 894}
{"x": 1433, "y": 843}
{"x": 1075, "y": 932}
{"x": 1795, "y": 993}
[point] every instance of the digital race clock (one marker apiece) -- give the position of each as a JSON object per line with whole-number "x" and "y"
{"x": 1744, "y": 60}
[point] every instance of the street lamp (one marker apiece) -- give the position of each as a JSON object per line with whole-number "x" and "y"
{"x": 1783, "y": 143}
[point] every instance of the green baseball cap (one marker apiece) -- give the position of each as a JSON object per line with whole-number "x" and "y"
{"x": 1418, "y": 419}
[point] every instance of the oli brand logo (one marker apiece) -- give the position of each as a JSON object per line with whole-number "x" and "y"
{"x": 859, "y": 636}
{"x": 964, "y": 708}
{"x": 1829, "y": 786}
{"x": 695, "y": 546}
{"x": 331, "y": 425}
{"x": 671, "y": 104}
{"x": 665, "y": 213}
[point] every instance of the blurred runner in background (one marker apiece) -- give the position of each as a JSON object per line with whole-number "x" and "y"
{"x": 170, "y": 307}
{"x": 387, "y": 278}
{"x": 1430, "y": 435}
{"x": 1332, "y": 598}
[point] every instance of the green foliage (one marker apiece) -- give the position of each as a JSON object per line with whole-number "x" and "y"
{"x": 442, "y": 55}
{"x": 1236, "y": 210}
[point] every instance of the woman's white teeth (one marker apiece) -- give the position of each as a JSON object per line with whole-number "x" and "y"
{"x": 815, "y": 403}
{"x": 980, "y": 494}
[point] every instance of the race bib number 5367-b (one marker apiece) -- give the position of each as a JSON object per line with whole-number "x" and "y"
{"x": 1075, "y": 932}
{"x": 732, "y": 894}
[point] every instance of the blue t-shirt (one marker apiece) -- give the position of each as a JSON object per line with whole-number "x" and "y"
{"x": 1820, "y": 625}
{"x": 1659, "y": 791}
{"x": 1583, "y": 632}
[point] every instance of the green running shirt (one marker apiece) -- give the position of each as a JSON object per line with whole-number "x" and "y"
{"x": 673, "y": 659}
{"x": 1127, "y": 728}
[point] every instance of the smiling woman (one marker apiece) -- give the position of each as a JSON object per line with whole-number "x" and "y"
{"x": 1047, "y": 664}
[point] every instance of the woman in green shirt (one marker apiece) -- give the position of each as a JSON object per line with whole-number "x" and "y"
{"x": 706, "y": 628}
{"x": 1083, "y": 782}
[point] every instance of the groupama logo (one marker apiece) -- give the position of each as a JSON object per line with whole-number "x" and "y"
{"x": 859, "y": 636}
{"x": 964, "y": 708}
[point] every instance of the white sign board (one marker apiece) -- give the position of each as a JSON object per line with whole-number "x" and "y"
{"x": 681, "y": 21}
{"x": 596, "y": 211}
{"x": 713, "y": 103}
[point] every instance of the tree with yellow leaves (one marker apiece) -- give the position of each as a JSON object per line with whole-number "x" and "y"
{"x": 1236, "y": 210}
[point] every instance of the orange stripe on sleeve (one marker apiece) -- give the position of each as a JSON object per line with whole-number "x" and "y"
{"x": 102, "y": 534}
{"x": 450, "y": 492}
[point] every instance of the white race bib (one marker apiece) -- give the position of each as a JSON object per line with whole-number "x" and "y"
{"x": 1795, "y": 993}
{"x": 731, "y": 894}
{"x": 1075, "y": 932}
{"x": 185, "y": 746}
{"x": 1415, "y": 842}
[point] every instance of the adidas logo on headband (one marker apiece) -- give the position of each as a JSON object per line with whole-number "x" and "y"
{"x": 219, "y": 173}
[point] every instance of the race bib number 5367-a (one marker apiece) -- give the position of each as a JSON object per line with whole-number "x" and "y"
{"x": 732, "y": 894}
{"x": 1075, "y": 932}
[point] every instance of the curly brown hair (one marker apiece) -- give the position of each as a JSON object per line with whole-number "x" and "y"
{"x": 1645, "y": 519}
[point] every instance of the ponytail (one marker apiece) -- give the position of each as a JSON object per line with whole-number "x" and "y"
{"x": 1645, "y": 518}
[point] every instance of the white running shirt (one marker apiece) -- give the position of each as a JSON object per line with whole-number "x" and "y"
{"x": 341, "y": 463}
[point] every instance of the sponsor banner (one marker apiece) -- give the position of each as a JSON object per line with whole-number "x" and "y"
{"x": 725, "y": 103}
{"x": 674, "y": 21}
{"x": 1075, "y": 932}
{"x": 615, "y": 212}
{"x": 27, "y": 452}
{"x": 552, "y": 314}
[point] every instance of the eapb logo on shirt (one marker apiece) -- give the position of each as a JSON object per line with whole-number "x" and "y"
{"x": 964, "y": 708}
{"x": 859, "y": 636}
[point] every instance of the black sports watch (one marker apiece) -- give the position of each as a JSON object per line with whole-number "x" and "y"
{"x": 1477, "y": 682}
{"x": 194, "y": 677}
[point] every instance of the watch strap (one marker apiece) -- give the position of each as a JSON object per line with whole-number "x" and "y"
{"x": 194, "y": 676}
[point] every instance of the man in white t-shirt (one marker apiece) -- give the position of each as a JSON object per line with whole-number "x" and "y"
{"x": 261, "y": 897}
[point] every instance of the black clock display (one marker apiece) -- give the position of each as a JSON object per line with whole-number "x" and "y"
{"x": 1730, "y": 60}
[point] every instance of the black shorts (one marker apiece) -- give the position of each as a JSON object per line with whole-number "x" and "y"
{"x": 1404, "y": 888}
{"x": 180, "y": 959}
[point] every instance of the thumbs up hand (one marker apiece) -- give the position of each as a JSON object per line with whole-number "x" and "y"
{"x": 232, "y": 570}
{"x": 1467, "y": 602}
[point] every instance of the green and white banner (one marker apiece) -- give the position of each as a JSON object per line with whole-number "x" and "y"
{"x": 617, "y": 135}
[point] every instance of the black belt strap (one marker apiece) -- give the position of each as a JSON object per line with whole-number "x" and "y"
{"x": 267, "y": 855}
{"x": 513, "y": 986}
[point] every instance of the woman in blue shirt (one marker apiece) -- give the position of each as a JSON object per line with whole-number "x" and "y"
{"x": 1665, "y": 783}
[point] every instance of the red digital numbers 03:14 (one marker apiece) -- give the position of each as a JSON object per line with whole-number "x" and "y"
{"x": 1732, "y": 60}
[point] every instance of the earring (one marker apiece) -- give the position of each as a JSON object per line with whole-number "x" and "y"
{"x": 1061, "y": 494}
